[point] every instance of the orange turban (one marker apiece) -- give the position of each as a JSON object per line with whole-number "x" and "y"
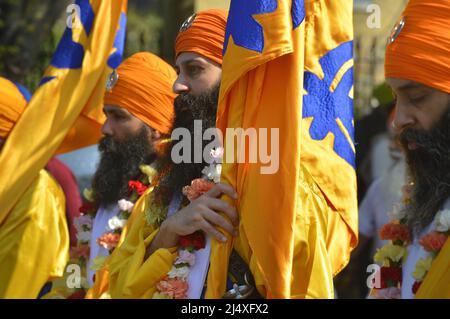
{"x": 13, "y": 99}
{"x": 203, "y": 33}
{"x": 421, "y": 51}
{"x": 144, "y": 88}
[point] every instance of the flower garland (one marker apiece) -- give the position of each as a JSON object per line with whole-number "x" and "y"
{"x": 110, "y": 239}
{"x": 174, "y": 285}
{"x": 393, "y": 255}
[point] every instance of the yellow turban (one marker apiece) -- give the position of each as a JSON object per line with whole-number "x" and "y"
{"x": 420, "y": 50}
{"x": 13, "y": 99}
{"x": 144, "y": 88}
{"x": 203, "y": 33}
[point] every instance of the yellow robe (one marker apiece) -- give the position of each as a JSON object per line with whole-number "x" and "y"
{"x": 130, "y": 276}
{"x": 34, "y": 240}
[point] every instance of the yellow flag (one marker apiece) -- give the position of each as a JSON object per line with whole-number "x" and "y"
{"x": 287, "y": 74}
{"x": 69, "y": 98}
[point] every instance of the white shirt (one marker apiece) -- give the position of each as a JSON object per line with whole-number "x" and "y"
{"x": 383, "y": 193}
{"x": 99, "y": 227}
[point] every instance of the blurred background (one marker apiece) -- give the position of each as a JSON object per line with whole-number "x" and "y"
{"x": 31, "y": 29}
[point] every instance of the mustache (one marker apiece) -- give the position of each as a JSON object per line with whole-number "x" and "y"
{"x": 107, "y": 144}
{"x": 421, "y": 138}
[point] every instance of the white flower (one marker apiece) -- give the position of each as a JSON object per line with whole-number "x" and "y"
{"x": 217, "y": 154}
{"x": 84, "y": 236}
{"x": 181, "y": 273}
{"x": 116, "y": 223}
{"x": 185, "y": 257}
{"x": 83, "y": 220}
{"x": 125, "y": 206}
{"x": 213, "y": 172}
{"x": 443, "y": 221}
{"x": 397, "y": 213}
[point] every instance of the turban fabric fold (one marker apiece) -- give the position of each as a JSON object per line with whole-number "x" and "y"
{"x": 144, "y": 88}
{"x": 13, "y": 99}
{"x": 205, "y": 36}
{"x": 421, "y": 51}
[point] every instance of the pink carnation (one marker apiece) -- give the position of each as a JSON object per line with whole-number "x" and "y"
{"x": 387, "y": 293}
{"x": 172, "y": 287}
{"x": 433, "y": 241}
{"x": 395, "y": 232}
{"x": 197, "y": 188}
{"x": 185, "y": 257}
{"x": 80, "y": 251}
{"x": 109, "y": 240}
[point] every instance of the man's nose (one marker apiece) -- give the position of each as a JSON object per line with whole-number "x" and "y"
{"x": 180, "y": 85}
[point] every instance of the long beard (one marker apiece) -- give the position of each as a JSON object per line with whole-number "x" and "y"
{"x": 429, "y": 168}
{"x": 187, "y": 109}
{"x": 119, "y": 163}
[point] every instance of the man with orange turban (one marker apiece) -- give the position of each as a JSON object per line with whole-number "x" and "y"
{"x": 148, "y": 265}
{"x": 138, "y": 105}
{"x": 417, "y": 68}
{"x": 34, "y": 239}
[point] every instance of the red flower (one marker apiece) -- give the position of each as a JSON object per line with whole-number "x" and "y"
{"x": 390, "y": 276}
{"x": 395, "y": 232}
{"x": 416, "y": 286}
{"x": 79, "y": 294}
{"x": 139, "y": 187}
{"x": 195, "y": 240}
{"x": 197, "y": 188}
{"x": 87, "y": 208}
{"x": 433, "y": 241}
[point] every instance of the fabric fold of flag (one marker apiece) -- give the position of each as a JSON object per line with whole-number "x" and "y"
{"x": 65, "y": 113}
{"x": 287, "y": 68}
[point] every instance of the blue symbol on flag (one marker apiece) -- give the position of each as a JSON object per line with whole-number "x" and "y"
{"x": 246, "y": 31}
{"x": 69, "y": 54}
{"x": 326, "y": 107}
{"x": 298, "y": 12}
{"x": 119, "y": 42}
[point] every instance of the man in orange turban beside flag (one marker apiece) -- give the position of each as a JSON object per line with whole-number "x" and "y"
{"x": 153, "y": 262}
{"x": 34, "y": 239}
{"x": 138, "y": 105}
{"x": 417, "y": 68}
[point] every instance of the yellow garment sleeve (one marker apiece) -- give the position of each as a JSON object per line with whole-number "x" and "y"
{"x": 34, "y": 240}
{"x": 130, "y": 274}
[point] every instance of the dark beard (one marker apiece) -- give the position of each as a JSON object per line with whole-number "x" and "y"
{"x": 187, "y": 109}
{"x": 119, "y": 163}
{"x": 429, "y": 168}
